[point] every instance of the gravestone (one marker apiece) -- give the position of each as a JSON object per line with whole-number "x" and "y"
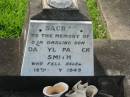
{"x": 59, "y": 41}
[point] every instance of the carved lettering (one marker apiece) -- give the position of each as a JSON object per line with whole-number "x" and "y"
{"x": 32, "y": 49}
{"x": 55, "y": 28}
{"x": 59, "y": 57}
{"x": 84, "y": 50}
{"x": 66, "y": 49}
{"x": 51, "y": 50}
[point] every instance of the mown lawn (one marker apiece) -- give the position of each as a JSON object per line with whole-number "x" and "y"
{"x": 99, "y": 28}
{"x": 12, "y": 16}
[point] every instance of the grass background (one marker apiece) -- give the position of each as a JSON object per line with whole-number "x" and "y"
{"x": 12, "y": 16}
{"x": 99, "y": 28}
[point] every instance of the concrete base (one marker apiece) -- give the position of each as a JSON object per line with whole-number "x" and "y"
{"x": 114, "y": 57}
{"x": 9, "y": 57}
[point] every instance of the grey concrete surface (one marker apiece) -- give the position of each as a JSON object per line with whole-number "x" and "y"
{"x": 36, "y": 7}
{"x": 116, "y": 13}
{"x": 114, "y": 57}
{"x": 9, "y": 57}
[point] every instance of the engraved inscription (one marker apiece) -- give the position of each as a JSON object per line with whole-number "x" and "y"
{"x": 59, "y": 49}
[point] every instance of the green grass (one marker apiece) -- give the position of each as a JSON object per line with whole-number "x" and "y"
{"x": 12, "y": 16}
{"x": 99, "y": 28}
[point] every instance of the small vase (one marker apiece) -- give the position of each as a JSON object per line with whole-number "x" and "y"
{"x": 56, "y": 91}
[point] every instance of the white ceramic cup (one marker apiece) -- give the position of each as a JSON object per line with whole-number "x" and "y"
{"x": 56, "y": 93}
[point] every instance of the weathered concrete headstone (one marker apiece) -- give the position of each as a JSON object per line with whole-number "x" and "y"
{"x": 59, "y": 47}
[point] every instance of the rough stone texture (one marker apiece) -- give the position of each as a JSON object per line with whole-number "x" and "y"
{"x": 9, "y": 57}
{"x": 60, "y": 3}
{"x": 114, "y": 57}
{"x": 46, "y": 5}
{"x": 117, "y": 16}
